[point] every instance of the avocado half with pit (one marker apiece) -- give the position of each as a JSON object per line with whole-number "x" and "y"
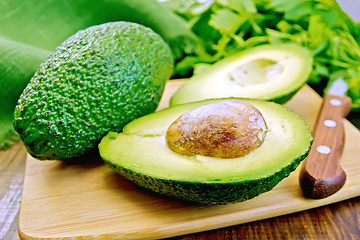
{"x": 155, "y": 152}
{"x": 267, "y": 72}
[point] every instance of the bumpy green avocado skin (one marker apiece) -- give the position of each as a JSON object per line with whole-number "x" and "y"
{"x": 96, "y": 81}
{"x": 209, "y": 193}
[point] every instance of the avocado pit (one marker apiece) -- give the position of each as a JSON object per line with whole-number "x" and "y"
{"x": 222, "y": 129}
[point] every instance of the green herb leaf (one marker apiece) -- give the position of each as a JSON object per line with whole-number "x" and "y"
{"x": 333, "y": 38}
{"x": 225, "y": 21}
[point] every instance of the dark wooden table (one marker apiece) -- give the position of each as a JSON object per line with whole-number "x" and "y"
{"x": 336, "y": 221}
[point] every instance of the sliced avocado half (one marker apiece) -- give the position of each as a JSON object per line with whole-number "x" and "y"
{"x": 140, "y": 154}
{"x": 268, "y": 72}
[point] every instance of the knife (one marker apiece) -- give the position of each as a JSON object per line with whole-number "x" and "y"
{"x": 321, "y": 174}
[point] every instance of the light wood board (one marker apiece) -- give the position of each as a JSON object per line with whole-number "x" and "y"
{"x": 91, "y": 201}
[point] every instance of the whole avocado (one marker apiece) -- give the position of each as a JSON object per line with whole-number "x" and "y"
{"x": 96, "y": 81}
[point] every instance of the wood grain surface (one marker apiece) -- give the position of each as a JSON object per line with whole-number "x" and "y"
{"x": 90, "y": 201}
{"x": 12, "y": 166}
{"x": 338, "y": 221}
{"x": 334, "y": 221}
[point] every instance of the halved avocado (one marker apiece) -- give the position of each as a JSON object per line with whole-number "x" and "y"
{"x": 267, "y": 72}
{"x": 140, "y": 154}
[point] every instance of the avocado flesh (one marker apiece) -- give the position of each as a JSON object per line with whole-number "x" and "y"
{"x": 268, "y": 72}
{"x": 96, "y": 81}
{"x": 141, "y": 155}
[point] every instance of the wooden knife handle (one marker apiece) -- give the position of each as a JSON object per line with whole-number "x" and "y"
{"x": 321, "y": 174}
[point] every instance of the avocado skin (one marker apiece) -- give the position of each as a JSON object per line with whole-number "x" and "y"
{"x": 212, "y": 192}
{"x": 286, "y": 97}
{"x": 96, "y": 81}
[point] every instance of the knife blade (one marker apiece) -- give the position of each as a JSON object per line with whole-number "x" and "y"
{"x": 321, "y": 174}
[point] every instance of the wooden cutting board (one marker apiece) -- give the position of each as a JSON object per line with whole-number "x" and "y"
{"x": 91, "y": 201}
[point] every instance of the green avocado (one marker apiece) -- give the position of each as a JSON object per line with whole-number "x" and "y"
{"x": 96, "y": 81}
{"x": 140, "y": 154}
{"x": 267, "y": 72}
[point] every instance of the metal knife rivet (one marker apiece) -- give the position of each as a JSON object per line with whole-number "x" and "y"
{"x": 323, "y": 149}
{"x": 335, "y": 102}
{"x": 330, "y": 123}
